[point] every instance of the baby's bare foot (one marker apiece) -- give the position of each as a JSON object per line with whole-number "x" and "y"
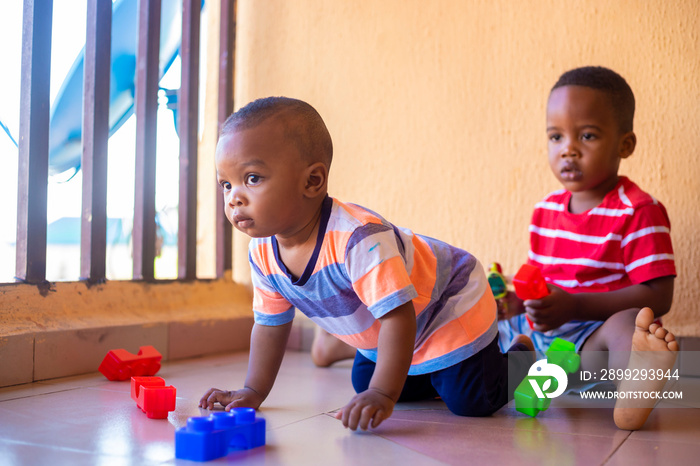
{"x": 653, "y": 348}
{"x": 327, "y": 349}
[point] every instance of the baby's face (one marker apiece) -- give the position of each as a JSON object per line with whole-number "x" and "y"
{"x": 261, "y": 175}
{"x": 585, "y": 143}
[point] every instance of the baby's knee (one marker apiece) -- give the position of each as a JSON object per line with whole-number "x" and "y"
{"x": 472, "y": 407}
{"x": 626, "y": 316}
{"x": 621, "y": 323}
{"x": 615, "y": 334}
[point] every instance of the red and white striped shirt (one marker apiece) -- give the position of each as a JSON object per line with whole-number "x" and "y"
{"x": 624, "y": 241}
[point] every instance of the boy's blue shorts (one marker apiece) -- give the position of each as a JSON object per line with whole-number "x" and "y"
{"x": 476, "y": 386}
{"x": 576, "y": 331}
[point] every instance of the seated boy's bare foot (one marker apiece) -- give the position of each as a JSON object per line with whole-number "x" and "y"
{"x": 525, "y": 340}
{"x": 653, "y": 348}
{"x": 327, "y": 349}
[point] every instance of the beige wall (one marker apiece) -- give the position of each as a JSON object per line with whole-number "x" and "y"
{"x": 437, "y": 108}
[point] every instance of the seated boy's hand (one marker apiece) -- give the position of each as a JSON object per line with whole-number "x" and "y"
{"x": 370, "y": 405}
{"x": 552, "y": 311}
{"x": 243, "y": 398}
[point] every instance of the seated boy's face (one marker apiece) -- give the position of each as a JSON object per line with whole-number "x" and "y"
{"x": 584, "y": 139}
{"x": 261, "y": 175}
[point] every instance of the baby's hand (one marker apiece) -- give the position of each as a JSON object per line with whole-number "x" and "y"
{"x": 509, "y": 306}
{"x": 552, "y": 311}
{"x": 370, "y": 405}
{"x": 243, "y": 398}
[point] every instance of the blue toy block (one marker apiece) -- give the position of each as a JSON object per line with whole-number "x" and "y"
{"x": 208, "y": 438}
{"x": 243, "y": 430}
{"x": 563, "y": 354}
{"x": 199, "y": 441}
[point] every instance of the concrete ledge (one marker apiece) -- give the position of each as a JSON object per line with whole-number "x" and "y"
{"x": 16, "y": 359}
{"x": 67, "y": 328}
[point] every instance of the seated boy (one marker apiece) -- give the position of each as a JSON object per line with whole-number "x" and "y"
{"x": 419, "y": 311}
{"x": 602, "y": 243}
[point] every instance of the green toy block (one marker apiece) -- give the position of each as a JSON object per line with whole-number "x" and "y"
{"x": 526, "y": 401}
{"x": 563, "y": 354}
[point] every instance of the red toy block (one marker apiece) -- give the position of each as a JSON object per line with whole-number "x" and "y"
{"x": 137, "y": 383}
{"x": 530, "y": 284}
{"x": 119, "y": 364}
{"x": 152, "y": 396}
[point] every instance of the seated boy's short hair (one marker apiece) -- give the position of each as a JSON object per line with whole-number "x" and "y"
{"x": 303, "y": 125}
{"x": 606, "y": 80}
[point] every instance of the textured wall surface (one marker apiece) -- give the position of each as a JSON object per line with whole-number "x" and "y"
{"x": 437, "y": 108}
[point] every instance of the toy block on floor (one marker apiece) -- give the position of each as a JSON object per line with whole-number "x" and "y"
{"x": 152, "y": 396}
{"x": 199, "y": 441}
{"x": 208, "y": 438}
{"x": 244, "y": 430}
{"x": 526, "y": 400}
{"x": 563, "y": 354}
{"x": 119, "y": 364}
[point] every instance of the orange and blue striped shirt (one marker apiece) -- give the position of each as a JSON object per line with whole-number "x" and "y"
{"x": 362, "y": 268}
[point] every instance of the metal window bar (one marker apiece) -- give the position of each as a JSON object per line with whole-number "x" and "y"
{"x": 227, "y": 34}
{"x": 146, "y": 109}
{"x": 33, "y": 166}
{"x": 188, "y": 118}
{"x": 95, "y": 131}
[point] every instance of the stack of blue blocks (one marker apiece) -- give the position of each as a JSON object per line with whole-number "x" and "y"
{"x": 214, "y": 436}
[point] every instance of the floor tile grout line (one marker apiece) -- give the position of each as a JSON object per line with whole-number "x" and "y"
{"x": 507, "y": 429}
{"x": 51, "y": 447}
{"x": 408, "y": 448}
{"x": 298, "y": 421}
{"x": 374, "y": 433}
{"x": 43, "y": 394}
{"x": 661, "y": 439}
{"x": 609, "y": 457}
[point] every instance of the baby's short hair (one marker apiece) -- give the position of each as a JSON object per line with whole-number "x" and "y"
{"x": 303, "y": 125}
{"x": 609, "y": 82}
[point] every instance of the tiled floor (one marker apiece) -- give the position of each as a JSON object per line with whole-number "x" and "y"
{"x": 88, "y": 420}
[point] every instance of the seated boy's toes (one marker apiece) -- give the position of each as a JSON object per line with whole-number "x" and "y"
{"x": 653, "y": 328}
{"x": 660, "y": 333}
{"x": 671, "y": 342}
{"x": 644, "y": 318}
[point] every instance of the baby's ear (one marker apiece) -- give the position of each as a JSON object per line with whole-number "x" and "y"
{"x": 627, "y": 144}
{"x": 316, "y": 180}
